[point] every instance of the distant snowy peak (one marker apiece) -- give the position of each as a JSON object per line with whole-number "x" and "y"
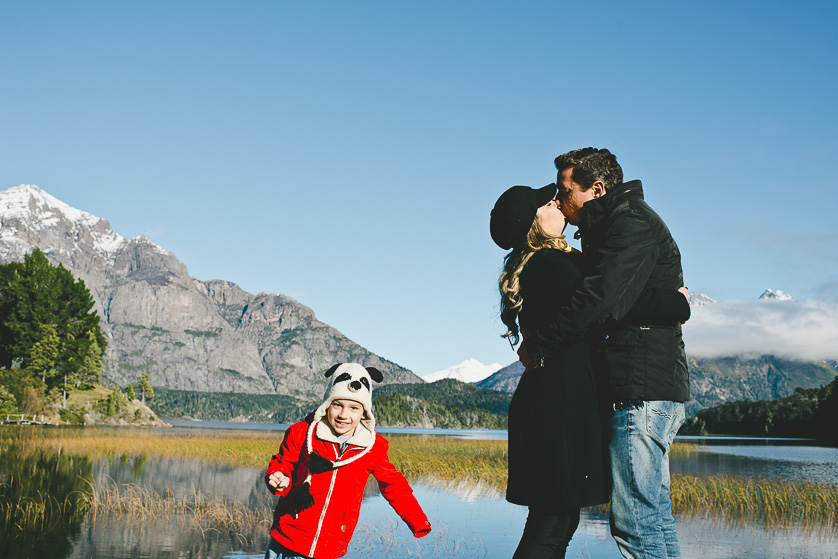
{"x": 27, "y": 200}
{"x": 701, "y": 299}
{"x": 697, "y": 299}
{"x": 30, "y": 216}
{"x": 470, "y": 370}
{"x": 771, "y": 295}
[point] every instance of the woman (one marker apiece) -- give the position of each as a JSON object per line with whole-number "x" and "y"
{"x": 557, "y": 458}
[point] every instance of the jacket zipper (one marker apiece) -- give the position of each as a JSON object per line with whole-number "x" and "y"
{"x": 325, "y": 506}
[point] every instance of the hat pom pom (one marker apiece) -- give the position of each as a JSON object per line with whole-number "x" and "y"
{"x": 303, "y": 498}
{"x": 317, "y": 464}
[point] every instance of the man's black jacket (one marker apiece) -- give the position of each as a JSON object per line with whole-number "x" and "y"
{"x": 629, "y": 248}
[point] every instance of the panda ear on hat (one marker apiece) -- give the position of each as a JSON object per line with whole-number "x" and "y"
{"x": 332, "y": 370}
{"x": 375, "y": 374}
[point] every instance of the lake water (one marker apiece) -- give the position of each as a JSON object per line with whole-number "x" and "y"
{"x": 470, "y": 521}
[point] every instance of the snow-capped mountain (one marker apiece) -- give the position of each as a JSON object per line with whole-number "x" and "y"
{"x": 27, "y": 207}
{"x": 470, "y": 370}
{"x": 187, "y": 334}
{"x": 772, "y": 295}
{"x": 63, "y": 230}
{"x": 30, "y": 218}
{"x": 697, "y": 299}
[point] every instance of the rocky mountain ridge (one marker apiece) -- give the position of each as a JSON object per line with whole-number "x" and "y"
{"x": 187, "y": 334}
{"x": 717, "y": 380}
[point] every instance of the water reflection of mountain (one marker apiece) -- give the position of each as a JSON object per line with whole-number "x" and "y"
{"x": 187, "y": 478}
{"x": 720, "y": 537}
{"x": 468, "y": 491}
{"x": 471, "y": 519}
{"x": 117, "y": 538}
{"x": 178, "y": 534}
{"x": 760, "y": 459}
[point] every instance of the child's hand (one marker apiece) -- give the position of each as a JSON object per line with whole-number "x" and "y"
{"x": 279, "y": 481}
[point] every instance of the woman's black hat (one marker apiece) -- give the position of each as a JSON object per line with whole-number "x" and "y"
{"x": 514, "y": 213}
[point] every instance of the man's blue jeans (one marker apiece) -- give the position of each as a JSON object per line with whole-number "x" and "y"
{"x": 641, "y": 511}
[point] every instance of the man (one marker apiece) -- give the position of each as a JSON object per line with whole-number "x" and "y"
{"x": 629, "y": 247}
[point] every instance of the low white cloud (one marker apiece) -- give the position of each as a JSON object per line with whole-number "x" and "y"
{"x": 805, "y": 330}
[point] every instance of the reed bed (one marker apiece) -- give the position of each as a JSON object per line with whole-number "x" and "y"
{"x": 42, "y": 511}
{"x": 441, "y": 461}
{"x": 451, "y": 459}
{"x": 254, "y": 449}
{"x": 773, "y": 501}
{"x": 682, "y": 449}
{"x": 109, "y": 501}
{"x": 234, "y": 449}
{"x": 416, "y": 455}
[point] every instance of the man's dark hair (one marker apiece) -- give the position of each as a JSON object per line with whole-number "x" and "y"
{"x": 591, "y": 165}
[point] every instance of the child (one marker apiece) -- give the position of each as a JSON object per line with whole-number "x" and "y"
{"x": 322, "y": 468}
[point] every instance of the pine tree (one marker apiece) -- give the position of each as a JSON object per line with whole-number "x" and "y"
{"x": 28, "y": 287}
{"x": 91, "y": 366}
{"x": 116, "y": 402}
{"x": 34, "y": 293}
{"x": 145, "y": 386}
{"x": 129, "y": 391}
{"x": 43, "y": 354}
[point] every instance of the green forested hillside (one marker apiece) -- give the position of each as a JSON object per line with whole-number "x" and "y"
{"x": 452, "y": 392}
{"x": 443, "y": 404}
{"x": 400, "y": 410}
{"x": 767, "y": 377}
{"x": 808, "y": 412}
{"x": 226, "y": 406}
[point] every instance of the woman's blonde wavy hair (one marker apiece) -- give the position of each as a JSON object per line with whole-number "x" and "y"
{"x": 511, "y": 302}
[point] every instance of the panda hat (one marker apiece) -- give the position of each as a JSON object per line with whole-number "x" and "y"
{"x": 349, "y": 381}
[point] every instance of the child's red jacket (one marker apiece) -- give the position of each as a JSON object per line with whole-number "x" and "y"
{"x": 323, "y": 531}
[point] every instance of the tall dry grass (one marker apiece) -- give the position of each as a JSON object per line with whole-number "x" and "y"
{"x": 41, "y": 511}
{"x": 774, "y": 501}
{"x": 450, "y": 459}
{"x": 234, "y": 448}
{"x": 442, "y": 460}
{"x": 110, "y": 501}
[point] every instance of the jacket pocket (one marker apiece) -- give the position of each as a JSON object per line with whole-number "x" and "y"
{"x": 659, "y": 360}
{"x": 618, "y": 352}
{"x": 663, "y": 418}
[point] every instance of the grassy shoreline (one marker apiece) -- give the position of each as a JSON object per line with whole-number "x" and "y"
{"x": 443, "y": 459}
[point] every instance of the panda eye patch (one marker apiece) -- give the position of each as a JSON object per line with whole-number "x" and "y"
{"x": 365, "y": 382}
{"x": 342, "y": 377}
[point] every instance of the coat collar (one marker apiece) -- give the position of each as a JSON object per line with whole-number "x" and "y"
{"x": 362, "y": 436}
{"x": 598, "y": 208}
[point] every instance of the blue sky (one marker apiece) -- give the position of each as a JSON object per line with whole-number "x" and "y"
{"x": 348, "y": 154}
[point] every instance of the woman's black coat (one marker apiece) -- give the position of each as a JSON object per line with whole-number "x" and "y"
{"x": 557, "y": 452}
{"x": 557, "y": 460}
